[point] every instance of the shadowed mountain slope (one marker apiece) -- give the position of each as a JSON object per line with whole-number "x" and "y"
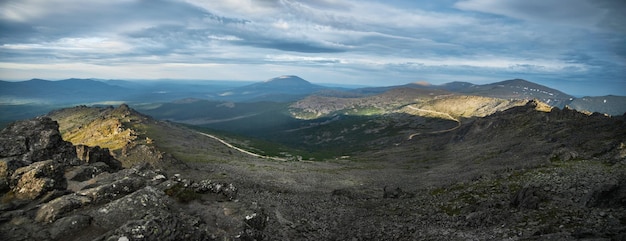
{"x": 610, "y": 104}
{"x": 283, "y": 88}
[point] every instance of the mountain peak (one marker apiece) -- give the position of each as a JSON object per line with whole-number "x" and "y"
{"x": 288, "y": 79}
{"x": 515, "y": 81}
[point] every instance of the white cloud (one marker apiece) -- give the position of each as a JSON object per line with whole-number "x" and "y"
{"x": 580, "y": 13}
{"x": 348, "y": 40}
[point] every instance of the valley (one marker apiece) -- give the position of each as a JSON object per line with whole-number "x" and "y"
{"x": 398, "y": 163}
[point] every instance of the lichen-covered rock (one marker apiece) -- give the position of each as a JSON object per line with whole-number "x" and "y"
{"x": 228, "y": 190}
{"x": 67, "y": 226}
{"x": 31, "y": 141}
{"x": 255, "y": 224}
{"x": 54, "y": 209}
{"x": 168, "y": 226}
{"x": 135, "y": 206}
{"x": 114, "y": 190}
{"x": 32, "y": 181}
{"x": 35, "y": 140}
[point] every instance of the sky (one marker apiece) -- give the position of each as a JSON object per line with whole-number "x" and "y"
{"x": 576, "y": 46}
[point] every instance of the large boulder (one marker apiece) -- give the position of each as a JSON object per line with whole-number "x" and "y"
{"x": 35, "y": 140}
{"x": 117, "y": 189}
{"x": 32, "y": 181}
{"x": 56, "y": 208}
{"x": 25, "y": 142}
{"x": 68, "y": 226}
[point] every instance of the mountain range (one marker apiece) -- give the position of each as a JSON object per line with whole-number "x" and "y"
{"x": 26, "y": 99}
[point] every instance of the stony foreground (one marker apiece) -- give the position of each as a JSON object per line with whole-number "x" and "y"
{"x": 563, "y": 183}
{"x": 53, "y": 190}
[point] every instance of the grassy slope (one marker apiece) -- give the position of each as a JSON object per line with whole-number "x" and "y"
{"x": 122, "y": 129}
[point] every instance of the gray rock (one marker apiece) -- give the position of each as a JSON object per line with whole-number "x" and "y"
{"x": 135, "y": 206}
{"x": 30, "y": 182}
{"x": 114, "y": 190}
{"x": 35, "y": 140}
{"x": 396, "y": 193}
{"x": 167, "y": 226}
{"x": 228, "y": 190}
{"x": 612, "y": 194}
{"x": 564, "y": 154}
{"x": 255, "y": 224}
{"x": 54, "y": 209}
{"x": 13, "y": 146}
{"x": 65, "y": 227}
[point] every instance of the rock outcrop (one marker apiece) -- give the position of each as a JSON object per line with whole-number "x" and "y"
{"x": 34, "y": 140}
{"x": 52, "y": 190}
{"x": 96, "y": 154}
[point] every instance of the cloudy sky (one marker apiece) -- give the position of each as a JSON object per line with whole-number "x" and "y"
{"x": 578, "y": 46}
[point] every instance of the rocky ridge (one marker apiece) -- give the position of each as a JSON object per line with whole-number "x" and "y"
{"x": 396, "y": 101}
{"x": 53, "y": 190}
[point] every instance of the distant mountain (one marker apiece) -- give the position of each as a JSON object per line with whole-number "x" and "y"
{"x": 456, "y": 86}
{"x": 283, "y": 88}
{"x": 413, "y": 101}
{"x": 515, "y": 89}
{"x": 610, "y": 104}
{"x": 519, "y": 89}
{"x": 26, "y": 99}
{"x": 59, "y": 92}
{"x": 316, "y": 106}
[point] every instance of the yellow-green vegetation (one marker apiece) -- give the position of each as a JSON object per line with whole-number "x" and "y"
{"x": 105, "y": 127}
{"x": 365, "y": 111}
{"x": 304, "y": 115}
{"x": 468, "y": 106}
{"x": 108, "y": 133}
{"x": 73, "y": 118}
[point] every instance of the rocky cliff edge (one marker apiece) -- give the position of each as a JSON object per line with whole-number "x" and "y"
{"x": 53, "y": 190}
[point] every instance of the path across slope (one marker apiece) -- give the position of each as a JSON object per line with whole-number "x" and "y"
{"x": 439, "y": 113}
{"x": 239, "y": 149}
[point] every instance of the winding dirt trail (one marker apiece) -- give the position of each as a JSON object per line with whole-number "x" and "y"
{"x": 239, "y": 149}
{"x": 435, "y": 112}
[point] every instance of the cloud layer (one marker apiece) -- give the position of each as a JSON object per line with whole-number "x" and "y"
{"x": 579, "y": 47}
